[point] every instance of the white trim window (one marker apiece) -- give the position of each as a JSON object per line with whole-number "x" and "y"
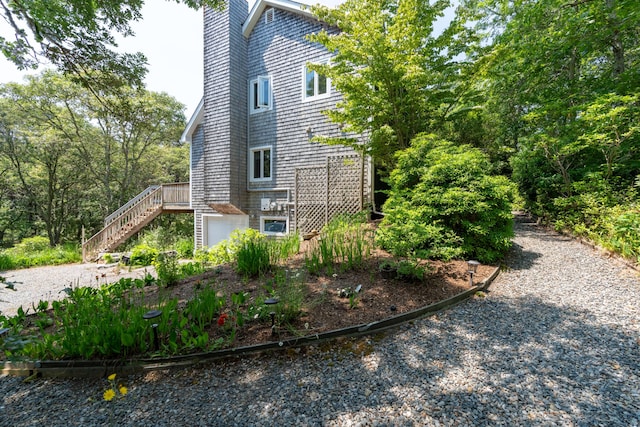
{"x": 274, "y": 225}
{"x": 314, "y": 85}
{"x": 260, "y": 94}
{"x": 260, "y": 164}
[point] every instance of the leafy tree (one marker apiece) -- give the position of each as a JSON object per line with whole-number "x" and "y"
{"x": 77, "y": 37}
{"x": 396, "y": 77}
{"x": 41, "y": 160}
{"x": 444, "y": 203}
{"x": 549, "y": 65}
{"x": 70, "y": 160}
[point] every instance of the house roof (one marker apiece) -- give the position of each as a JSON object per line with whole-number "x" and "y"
{"x": 193, "y": 123}
{"x": 260, "y": 5}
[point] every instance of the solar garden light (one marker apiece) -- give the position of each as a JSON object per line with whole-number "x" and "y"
{"x": 472, "y": 268}
{"x": 272, "y": 301}
{"x": 152, "y": 315}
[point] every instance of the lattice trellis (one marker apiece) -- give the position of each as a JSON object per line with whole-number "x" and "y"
{"x": 322, "y": 192}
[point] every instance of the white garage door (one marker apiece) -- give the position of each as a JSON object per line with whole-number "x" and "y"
{"x": 219, "y": 227}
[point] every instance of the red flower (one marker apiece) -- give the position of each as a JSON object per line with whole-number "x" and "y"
{"x": 222, "y": 318}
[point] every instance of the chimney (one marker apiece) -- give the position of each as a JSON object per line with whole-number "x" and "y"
{"x": 225, "y": 105}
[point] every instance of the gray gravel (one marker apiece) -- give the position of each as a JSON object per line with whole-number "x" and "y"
{"x": 47, "y": 283}
{"x": 555, "y": 342}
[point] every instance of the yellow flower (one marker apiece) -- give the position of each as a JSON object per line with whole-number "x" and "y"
{"x": 112, "y": 377}
{"x": 123, "y": 390}
{"x": 109, "y": 394}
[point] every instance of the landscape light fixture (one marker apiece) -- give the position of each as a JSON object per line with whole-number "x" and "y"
{"x": 472, "y": 268}
{"x": 272, "y": 301}
{"x": 152, "y": 315}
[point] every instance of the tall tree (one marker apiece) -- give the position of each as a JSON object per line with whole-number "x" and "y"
{"x": 397, "y": 77}
{"x": 40, "y": 159}
{"x": 77, "y": 37}
{"x": 74, "y": 160}
{"x": 549, "y": 66}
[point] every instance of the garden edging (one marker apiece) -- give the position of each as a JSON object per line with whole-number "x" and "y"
{"x": 103, "y": 368}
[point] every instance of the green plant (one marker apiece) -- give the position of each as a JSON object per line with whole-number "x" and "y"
{"x": 288, "y": 288}
{"x": 253, "y": 257}
{"x": 353, "y": 300}
{"x": 143, "y": 255}
{"x": 184, "y": 247}
{"x": 345, "y": 242}
{"x": 444, "y": 203}
{"x": 411, "y": 269}
{"x": 35, "y": 251}
{"x": 167, "y": 269}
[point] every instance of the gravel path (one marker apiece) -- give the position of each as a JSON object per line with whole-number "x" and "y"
{"x": 555, "y": 342}
{"x": 47, "y": 283}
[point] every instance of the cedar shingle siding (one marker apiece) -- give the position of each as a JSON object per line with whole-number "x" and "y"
{"x": 221, "y": 144}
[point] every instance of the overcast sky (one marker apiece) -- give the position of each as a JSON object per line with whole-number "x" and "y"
{"x": 170, "y": 35}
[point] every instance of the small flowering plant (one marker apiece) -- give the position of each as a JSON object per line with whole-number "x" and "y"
{"x": 111, "y": 392}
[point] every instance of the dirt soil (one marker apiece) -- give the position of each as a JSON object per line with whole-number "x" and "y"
{"x": 324, "y": 308}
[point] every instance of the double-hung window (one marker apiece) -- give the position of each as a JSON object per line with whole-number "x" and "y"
{"x": 260, "y": 161}
{"x": 315, "y": 85}
{"x": 260, "y": 94}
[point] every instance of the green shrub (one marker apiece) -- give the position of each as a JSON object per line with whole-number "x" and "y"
{"x": 444, "y": 203}
{"x": 35, "y": 251}
{"x": 6, "y": 262}
{"x": 184, "y": 247}
{"x": 143, "y": 255}
{"x": 32, "y": 244}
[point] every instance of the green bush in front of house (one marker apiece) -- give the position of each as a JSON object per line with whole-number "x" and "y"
{"x": 444, "y": 203}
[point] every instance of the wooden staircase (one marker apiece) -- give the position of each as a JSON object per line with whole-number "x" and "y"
{"x": 135, "y": 215}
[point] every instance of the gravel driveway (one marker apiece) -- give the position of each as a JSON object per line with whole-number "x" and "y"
{"x": 47, "y": 283}
{"x": 555, "y": 342}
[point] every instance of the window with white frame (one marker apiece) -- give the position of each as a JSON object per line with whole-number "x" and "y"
{"x": 260, "y": 164}
{"x": 274, "y": 225}
{"x": 260, "y": 94}
{"x": 315, "y": 85}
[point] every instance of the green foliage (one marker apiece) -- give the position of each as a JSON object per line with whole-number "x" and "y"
{"x": 184, "y": 247}
{"x": 345, "y": 242}
{"x": 168, "y": 232}
{"x": 252, "y": 257}
{"x": 288, "y": 288}
{"x": 444, "y": 203}
{"x": 143, "y": 255}
{"x": 167, "y": 269}
{"x": 35, "y": 251}
{"x": 68, "y": 160}
{"x": 253, "y": 252}
{"x": 411, "y": 269}
{"x": 77, "y": 37}
{"x": 32, "y": 244}
{"x": 396, "y": 75}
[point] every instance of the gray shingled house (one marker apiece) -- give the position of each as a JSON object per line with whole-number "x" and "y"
{"x": 253, "y": 163}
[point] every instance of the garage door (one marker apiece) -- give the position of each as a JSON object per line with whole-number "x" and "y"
{"x": 219, "y": 227}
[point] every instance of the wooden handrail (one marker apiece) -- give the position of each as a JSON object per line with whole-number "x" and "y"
{"x": 134, "y": 215}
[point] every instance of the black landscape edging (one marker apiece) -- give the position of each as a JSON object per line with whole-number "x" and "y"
{"x": 103, "y": 368}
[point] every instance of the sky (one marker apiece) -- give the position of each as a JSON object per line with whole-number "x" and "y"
{"x": 170, "y": 36}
